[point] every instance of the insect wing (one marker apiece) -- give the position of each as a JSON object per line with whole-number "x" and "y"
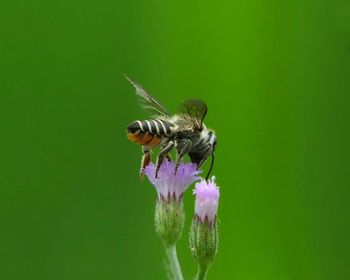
{"x": 147, "y": 101}
{"x": 195, "y": 110}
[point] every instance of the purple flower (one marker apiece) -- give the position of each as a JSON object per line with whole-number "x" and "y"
{"x": 168, "y": 184}
{"x": 207, "y": 199}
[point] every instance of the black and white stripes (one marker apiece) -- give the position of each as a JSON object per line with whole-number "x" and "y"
{"x": 155, "y": 127}
{"x": 205, "y": 142}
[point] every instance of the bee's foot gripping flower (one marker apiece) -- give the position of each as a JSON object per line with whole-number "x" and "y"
{"x": 203, "y": 234}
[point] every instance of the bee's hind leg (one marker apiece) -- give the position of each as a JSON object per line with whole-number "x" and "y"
{"x": 183, "y": 147}
{"x": 146, "y": 159}
{"x": 162, "y": 154}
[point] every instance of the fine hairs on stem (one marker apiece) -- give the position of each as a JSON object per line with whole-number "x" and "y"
{"x": 202, "y": 274}
{"x": 174, "y": 263}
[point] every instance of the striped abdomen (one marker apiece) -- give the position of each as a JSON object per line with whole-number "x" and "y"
{"x": 149, "y": 132}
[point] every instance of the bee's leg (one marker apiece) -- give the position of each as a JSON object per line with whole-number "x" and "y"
{"x": 162, "y": 155}
{"x": 183, "y": 147}
{"x": 168, "y": 156}
{"x": 208, "y": 153}
{"x": 146, "y": 158}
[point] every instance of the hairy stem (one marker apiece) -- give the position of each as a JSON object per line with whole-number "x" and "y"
{"x": 202, "y": 274}
{"x": 174, "y": 263}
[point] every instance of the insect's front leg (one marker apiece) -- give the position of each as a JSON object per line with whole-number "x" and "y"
{"x": 146, "y": 158}
{"x": 162, "y": 155}
{"x": 207, "y": 154}
{"x": 183, "y": 147}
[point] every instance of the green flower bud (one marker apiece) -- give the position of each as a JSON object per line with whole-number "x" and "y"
{"x": 203, "y": 234}
{"x": 203, "y": 244}
{"x": 169, "y": 220}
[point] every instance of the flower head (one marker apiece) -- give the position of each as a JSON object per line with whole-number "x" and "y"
{"x": 203, "y": 233}
{"x": 207, "y": 199}
{"x": 168, "y": 184}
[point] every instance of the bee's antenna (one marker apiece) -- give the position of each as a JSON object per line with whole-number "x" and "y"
{"x": 211, "y": 166}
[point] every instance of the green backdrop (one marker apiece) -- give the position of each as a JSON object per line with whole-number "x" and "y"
{"x": 275, "y": 75}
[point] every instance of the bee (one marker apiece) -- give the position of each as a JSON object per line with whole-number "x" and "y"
{"x": 184, "y": 131}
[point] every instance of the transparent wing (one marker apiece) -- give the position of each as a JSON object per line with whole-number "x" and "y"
{"x": 147, "y": 101}
{"x": 194, "y": 110}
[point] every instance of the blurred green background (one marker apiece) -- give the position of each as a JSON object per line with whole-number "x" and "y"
{"x": 275, "y": 75}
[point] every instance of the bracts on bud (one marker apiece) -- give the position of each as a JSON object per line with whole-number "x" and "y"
{"x": 169, "y": 220}
{"x": 203, "y": 233}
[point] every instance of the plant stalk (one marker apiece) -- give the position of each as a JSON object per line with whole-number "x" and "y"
{"x": 174, "y": 262}
{"x": 202, "y": 274}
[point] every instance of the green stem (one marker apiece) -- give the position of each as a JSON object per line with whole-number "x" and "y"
{"x": 174, "y": 262}
{"x": 202, "y": 274}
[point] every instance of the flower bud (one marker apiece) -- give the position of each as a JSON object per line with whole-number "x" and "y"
{"x": 203, "y": 233}
{"x": 169, "y": 220}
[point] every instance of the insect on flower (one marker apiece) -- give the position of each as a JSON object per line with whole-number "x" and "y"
{"x": 184, "y": 131}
